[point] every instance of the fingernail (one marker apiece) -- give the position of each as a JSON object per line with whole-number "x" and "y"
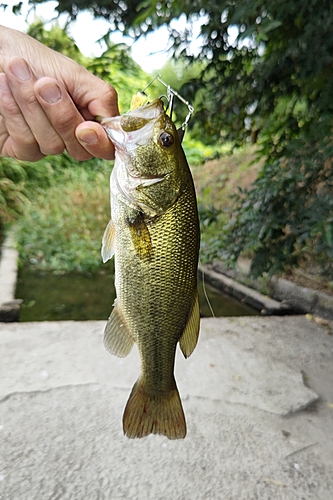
{"x": 21, "y": 70}
{"x": 4, "y": 84}
{"x": 88, "y": 136}
{"x": 51, "y": 93}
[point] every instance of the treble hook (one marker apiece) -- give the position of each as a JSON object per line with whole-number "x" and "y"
{"x": 170, "y": 95}
{"x": 170, "y": 100}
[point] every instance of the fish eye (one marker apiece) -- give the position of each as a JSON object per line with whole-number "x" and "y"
{"x": 166, "y": 140}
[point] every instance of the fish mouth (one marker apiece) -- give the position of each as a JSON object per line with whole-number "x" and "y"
{"x": 123, "y": 128}
{"x": 149, "y": 111}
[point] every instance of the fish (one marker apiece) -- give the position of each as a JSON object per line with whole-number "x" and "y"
{"x": 154, "y": 237}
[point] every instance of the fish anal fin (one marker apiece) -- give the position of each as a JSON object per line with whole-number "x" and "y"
{"x": 118, "y": 339}
{"x": 108, "y": 242}
{"x": 190, "y": 335}
{"x": 140, "y": 237}
{"x": 154, "y": 414}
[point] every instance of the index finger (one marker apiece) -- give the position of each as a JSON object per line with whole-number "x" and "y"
{"x": 106, "y": 105}
{"x": 62, "y": 114}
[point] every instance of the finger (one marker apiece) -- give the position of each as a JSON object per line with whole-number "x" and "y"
{"x": 16, "y": 138}
{"x": 93, "y": 96}
{"x": 94, "y": 139}
{"x": 106, "y": 102}
{"x": 21, "y": 81}
{"x": 62, "y": 114}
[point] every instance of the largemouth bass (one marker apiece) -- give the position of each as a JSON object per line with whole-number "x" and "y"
{"x": 154, "y": 235}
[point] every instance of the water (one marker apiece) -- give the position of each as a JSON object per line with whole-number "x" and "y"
{"x": 77, "y": 296}
{"x": 222, "y": 303}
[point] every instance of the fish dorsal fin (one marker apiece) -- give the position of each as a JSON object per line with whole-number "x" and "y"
{"x": 108, "y": 242}
{"x": 180, "y": 133}
{"x": 118, "y": 339}
{"x": 190, "y": 335}
{"x": 140, "y": 237}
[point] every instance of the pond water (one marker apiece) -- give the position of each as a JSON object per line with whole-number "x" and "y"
{"x": 78, "y": 296}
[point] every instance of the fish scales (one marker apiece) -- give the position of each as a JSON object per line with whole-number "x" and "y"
{"x": 163, "y": 281}
{"x": 155, "y": 239}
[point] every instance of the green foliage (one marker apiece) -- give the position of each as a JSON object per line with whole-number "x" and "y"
{"x": 197, "y": 152}
{"x": 56, "y": 38}
{"x": 267, "y": 71}
{"x": 62, "y": 227}
{"x": 287, "y": 216}
{"x": 270, "y": 84}
{"x": 12, "y": 180}
{"x": 208, "y": 214}
{"x": 19, "y": 181}
{"x": 117, "y": 67}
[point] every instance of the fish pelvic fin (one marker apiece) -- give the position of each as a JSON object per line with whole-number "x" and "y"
{"x": 154, "y": 414}
{"x": 108, "y": 242}
{"x": 190, "y": 335}
{"x": 118, "y": 339}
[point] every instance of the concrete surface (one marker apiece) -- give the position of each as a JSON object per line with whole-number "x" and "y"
{"x": 302, "y": 299}
{"x": 8, "y": 270}
{"x": 9, "y": 306}
{"x": 258, "y": 398}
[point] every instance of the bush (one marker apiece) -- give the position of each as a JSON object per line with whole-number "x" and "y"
{"x": 287, "y": 216}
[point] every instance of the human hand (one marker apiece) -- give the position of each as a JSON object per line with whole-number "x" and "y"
{"x": 47, "y": 102}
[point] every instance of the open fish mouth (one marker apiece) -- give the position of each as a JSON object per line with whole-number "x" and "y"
{"x": 133, "y": 120}
{"x": 135, "y": 127}
{"x": 149, "y": 111}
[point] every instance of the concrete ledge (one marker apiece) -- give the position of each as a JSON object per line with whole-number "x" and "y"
{"x": 253, "y": 298}
{"x": 292, "y": 297}
{"x": 9, "y": 306}
{"x": 302, "y": 299}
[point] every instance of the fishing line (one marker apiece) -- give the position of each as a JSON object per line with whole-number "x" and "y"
{"x": 205, "y": 291}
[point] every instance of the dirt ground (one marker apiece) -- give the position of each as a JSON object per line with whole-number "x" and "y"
{"x": 217, "y": 179}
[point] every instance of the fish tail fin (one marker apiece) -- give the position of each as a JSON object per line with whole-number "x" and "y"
{"x": 154, "y": 414}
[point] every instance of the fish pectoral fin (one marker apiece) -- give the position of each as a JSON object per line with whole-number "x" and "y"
{"x": 190, "y": 335}
{"x": 140, "y": 237}
{"x": 108, "y": 242}
{"x": 118, "y": 339}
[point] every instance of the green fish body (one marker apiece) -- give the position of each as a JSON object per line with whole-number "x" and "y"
{"x": 154, "y": 236}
